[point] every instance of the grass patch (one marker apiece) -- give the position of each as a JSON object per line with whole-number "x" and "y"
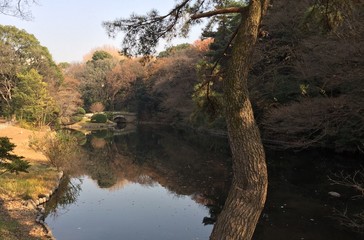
{"x": 8, "y": 228}
{"x": 40, "y": 180}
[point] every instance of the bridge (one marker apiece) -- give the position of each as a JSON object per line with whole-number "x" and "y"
{"x": 124, "y": 117}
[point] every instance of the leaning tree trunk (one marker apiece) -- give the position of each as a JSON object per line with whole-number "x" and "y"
{"x": 247, "y": 195}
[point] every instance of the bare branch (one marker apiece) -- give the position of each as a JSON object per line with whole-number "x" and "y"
{"x": 176, "y": 10}
{"x": 17, "y": 8}
{"x": 355, "y": 181}
{"x": 354, "y": 221}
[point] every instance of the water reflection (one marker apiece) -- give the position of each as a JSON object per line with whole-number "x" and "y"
{"x": 164, "y": 157}
{"x": 67, "y": 193}
{"x": 152, "y": 183}
{"x": 134, "y": 212}
{"x": 298, "y": 205}
{"x": 177, "y": 165}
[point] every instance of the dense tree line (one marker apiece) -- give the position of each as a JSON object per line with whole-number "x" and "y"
{"x": 305, "y": 81}
{"x": 132, "y": 84}
{"x": 107, "y": 79}
{"x": 27, "y": 73}
{"x": 33, "y": 89}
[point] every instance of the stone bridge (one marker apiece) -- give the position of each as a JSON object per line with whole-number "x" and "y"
{"x": 124, "y": 117}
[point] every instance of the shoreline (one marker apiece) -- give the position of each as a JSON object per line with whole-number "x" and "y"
{"x": 26, "y": 212}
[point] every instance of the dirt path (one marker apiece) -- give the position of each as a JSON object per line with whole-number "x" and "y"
{"x": 18, "y": 220}
{"x": 20, "y": 137}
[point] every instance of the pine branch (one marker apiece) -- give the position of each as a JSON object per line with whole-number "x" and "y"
{"x": 218, "y": 12}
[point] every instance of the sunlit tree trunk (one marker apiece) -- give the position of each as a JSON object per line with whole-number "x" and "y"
{"x": 249, "y": 186}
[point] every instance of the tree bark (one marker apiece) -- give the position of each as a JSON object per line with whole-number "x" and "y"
{"x": 247, "y": 195}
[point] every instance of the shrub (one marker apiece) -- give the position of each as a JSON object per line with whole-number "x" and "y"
{"x": 97, "y": 107}
{"x": 109, "y": 115}
{"x": 25, "y": 124}
{"x": 335, "y": 123}
{"x": 80, "y": 111}
{"x": 60, "y": 148}
{"x": 76, "y": 118}
{"x": 99, "y": 118}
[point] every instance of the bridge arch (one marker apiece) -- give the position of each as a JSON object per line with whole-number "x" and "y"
{"x": 119, "y": 119}
{"x": 123, "y": 117}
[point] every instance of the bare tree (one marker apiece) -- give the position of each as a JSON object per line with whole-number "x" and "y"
{"x": 97, "y": 107}
{"x": 17, "y": 8}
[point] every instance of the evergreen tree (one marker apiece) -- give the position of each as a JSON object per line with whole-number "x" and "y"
{"x": 32, "y": 101}
{"x": 10, "y": 162}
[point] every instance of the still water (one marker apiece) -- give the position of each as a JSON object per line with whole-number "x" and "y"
{"x": 160, "y": 183}
{"x": 134, "y": 211}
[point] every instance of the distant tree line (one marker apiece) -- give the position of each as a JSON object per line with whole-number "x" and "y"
{"x": 306, "y": 90}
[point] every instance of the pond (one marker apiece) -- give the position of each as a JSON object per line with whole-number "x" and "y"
{"x": 161, "y": 183}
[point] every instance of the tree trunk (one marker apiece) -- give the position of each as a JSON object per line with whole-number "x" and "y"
{"x": 249, "y": 186}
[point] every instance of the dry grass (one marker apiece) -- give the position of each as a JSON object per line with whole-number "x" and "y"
{"x": 41, "y": 177}
{"x": 17, "y": 221}
{"x": 40, "y": 180}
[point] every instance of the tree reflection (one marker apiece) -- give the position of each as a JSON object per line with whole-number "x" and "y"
{"x": 185, "y": 164}
{"x": 66, "y": 194}
{"x": 244, "y": 205}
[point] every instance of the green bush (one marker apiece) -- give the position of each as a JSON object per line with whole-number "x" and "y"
{"x": 99, "y": 118}
{"x": 76, "y": 118}
{"x": 81, "y": 111}
{"x": 109, "y": 115}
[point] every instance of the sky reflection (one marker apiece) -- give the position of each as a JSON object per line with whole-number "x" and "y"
{"x": 132, "y": 212}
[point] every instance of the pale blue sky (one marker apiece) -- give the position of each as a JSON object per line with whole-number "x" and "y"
{"x": 71, "y": 28}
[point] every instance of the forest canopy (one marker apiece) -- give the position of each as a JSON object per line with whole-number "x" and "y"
{"x": 30, "y": 79}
